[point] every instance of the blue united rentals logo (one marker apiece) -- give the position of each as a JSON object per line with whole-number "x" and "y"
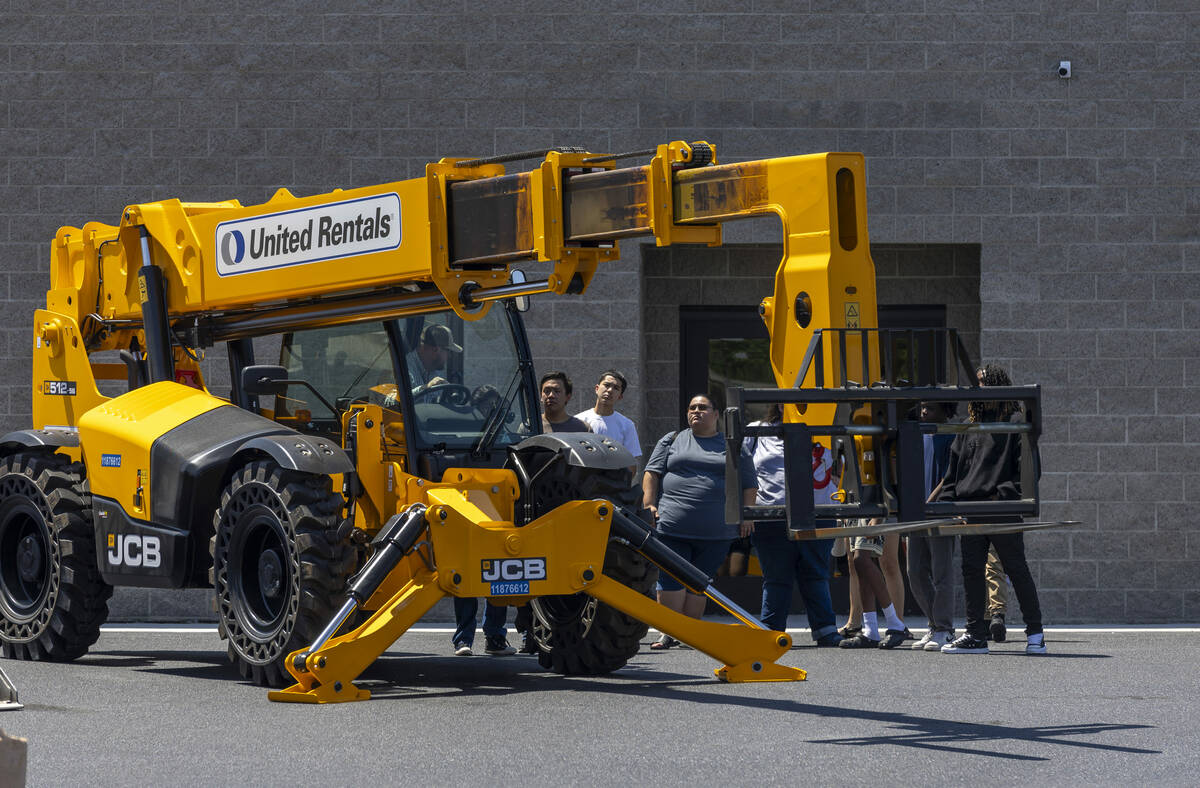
{"x": 308, "y": 235}
{"x": 233, "y": 247}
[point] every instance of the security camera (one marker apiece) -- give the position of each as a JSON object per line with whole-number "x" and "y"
{"x": 1064, "y": 69}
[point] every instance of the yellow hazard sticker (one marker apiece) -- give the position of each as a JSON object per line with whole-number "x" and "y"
{"x": 141, "y": 280}
{"x": 853, "y": 316}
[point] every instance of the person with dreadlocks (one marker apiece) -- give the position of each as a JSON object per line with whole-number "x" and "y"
{"x": 986, "y": 466}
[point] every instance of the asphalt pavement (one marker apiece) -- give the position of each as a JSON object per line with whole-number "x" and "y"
{"x": 161, "y": 706}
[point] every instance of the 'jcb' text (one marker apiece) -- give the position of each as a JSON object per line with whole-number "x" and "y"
{"x": 134, "y": 550}
{"x": 513, "y": 569}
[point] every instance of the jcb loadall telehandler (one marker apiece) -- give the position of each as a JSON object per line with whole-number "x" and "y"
{"x": 386, "y": 473}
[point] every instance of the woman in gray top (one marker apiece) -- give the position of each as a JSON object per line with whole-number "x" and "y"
{"x": 684, "y": 488}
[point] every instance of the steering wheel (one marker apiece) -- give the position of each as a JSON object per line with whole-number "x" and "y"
{"x": 445, "y": 394}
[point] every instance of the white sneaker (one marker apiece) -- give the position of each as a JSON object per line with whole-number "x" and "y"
{"x": 1036, "y": 646}
{"x": 462, "y": 650}
{"x": 923, "y": 642}
{"x": 938, "y": 639}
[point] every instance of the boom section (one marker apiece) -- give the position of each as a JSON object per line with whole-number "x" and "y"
{"x": 448, "y": 240}
{"x": 824, "y": 279}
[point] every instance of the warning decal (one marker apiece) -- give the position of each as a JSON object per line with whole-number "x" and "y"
{"x": 853, "y": 319}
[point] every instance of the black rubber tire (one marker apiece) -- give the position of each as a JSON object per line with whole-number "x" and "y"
{"x": 577, "y": 634}
{"x": 52, "y": 598}
{"x": 279, "y": 570}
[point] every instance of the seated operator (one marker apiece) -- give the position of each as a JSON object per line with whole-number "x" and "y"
{"x": 427, "y": 363}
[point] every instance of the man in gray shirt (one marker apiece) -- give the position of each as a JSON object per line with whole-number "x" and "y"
{"x": 555, "y": 389}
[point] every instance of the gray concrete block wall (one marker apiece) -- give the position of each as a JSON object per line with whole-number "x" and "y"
{"x": 1080, "y": 193}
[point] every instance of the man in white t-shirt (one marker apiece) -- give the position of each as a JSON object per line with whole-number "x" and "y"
{"x": 604, "y": 419}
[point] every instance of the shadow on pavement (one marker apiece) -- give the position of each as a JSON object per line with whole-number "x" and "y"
{"x": 185, "y": 663}
{"x": 440, "y": 677}
{"x": 425, "y": 675}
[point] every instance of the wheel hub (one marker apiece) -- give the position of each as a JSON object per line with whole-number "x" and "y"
{"x": 270, "y": 573}
{"x": 29, "y": 559}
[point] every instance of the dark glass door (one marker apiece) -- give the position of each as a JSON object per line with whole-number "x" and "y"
{"x": 728, "y": 346}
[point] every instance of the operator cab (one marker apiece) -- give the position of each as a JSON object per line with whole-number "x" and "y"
{"x": 463, "y": 390}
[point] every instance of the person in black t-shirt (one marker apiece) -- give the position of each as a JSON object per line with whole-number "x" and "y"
{"x": 987, "y": 467}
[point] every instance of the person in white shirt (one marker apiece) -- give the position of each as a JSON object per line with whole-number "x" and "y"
{"x": 604, "y": 419}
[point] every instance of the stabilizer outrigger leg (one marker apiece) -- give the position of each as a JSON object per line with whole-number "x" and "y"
{"x": 572, "y": 539}
{"x": 355, "y": 651}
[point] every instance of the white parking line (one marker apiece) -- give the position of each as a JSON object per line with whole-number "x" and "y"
{"x": 1119, "y": 629}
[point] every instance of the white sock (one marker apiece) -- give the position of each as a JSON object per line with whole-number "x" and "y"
{"x": 870, "y": 626}
{"x": 893, "y": 621}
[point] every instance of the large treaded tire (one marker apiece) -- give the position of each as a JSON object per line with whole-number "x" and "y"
{"x": 279, "y": 569}
{"x": 52, "y": 597}
{"x": 577, "y": 634}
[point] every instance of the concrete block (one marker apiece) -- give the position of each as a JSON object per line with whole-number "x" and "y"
{"x": 1149, "y": 314}
{"x": 186, "y": 604}
{"x": 952, "y": 171}
{"x": 1066, "y": 400}
{"x": 1097, "y": 429}
{"x": 1094, "y": 606}
{"x": 129, "y": 604}
{"x": 1154, "y": 486}
{"x": 953, "y": 114}
{"x": 1069, "y": 344}
{"x": 1191, "y": 605}
{"x": 1173, "y": 517}
{"x": 1106, "y": 200}
{"x": 1178, "y": 401}
{"x": 1126, "y": 574}
{"x": 1068, "y": 575}
{"x": 1055, "y": 607}
{"x": 1118, "y": 343}
{"x": 1097, "y": 486}
{"x": 1130, "y": 401}
{"x": 1154, "y": 607}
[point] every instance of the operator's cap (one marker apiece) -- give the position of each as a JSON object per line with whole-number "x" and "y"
{"x": 438, "y": 335}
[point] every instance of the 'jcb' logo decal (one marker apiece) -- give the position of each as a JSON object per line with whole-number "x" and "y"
{"x": 134, "y": 550}
{"x": 494, "y": 569}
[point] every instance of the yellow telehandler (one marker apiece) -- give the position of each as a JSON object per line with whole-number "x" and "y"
{"x": 393, "y": 455}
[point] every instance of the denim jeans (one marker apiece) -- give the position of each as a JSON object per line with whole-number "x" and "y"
{"x": 805, "y": 563}
{"x": 466, "y": 610}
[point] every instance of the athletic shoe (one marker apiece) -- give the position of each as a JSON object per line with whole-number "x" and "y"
{"x": 462, "y": 650}
{"x": 832, "y": 639}
{"x": 528, "y": 644}
{"x": 1036, "y": 646}
{"x": 999, "y": 632}
{"x": 908, "y": 635}
{"x": 966, "y": 644}
{"x": 923, "y": 642}
{"x": 498, "y": 647}
{"x": 892, "y": 638}
{"x": 859, "y": 641}
{"x": 938, "y": 639}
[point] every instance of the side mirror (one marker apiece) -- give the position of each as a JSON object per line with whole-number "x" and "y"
{"x": 264, "y": 379}
{"x": 515, "y": 278}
